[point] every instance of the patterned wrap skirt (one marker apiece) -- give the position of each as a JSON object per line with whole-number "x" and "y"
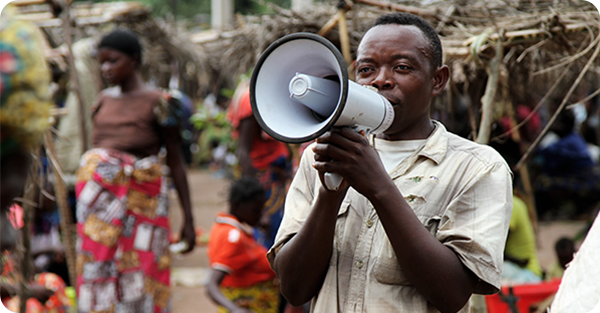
{"x": 260, "y": 298}
{"x": 123, "y": 261}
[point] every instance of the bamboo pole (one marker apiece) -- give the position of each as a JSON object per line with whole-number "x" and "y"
{"x": 27, "y": 2}
{"x": 60, "y": 192}
{"x": 344, "y": 37}
{"x": 30, "y": 193}
{"x": 487, "y": 100}
{"x": 329, "y": 25}
{"x": 66, "y": 16}
{"x": 402, "y": 8}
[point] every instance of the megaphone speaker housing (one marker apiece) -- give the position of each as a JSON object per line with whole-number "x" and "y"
{"x": 287, "y": 119}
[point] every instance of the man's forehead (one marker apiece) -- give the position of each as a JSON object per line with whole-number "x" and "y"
{"x": 390, "y": 32}
{"x": 394, "y": 33}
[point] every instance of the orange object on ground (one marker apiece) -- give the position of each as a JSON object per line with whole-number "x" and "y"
{"x": 526, "y": 295}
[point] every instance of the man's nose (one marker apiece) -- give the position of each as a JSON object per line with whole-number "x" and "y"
{"x": 383, "y": 80}
{"x": 105, "y": 67}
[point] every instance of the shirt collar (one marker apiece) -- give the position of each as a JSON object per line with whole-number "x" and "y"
{"x": 434, "y": 148}
{"x": 437, "y": 144}
{"x": 228, "y": 219}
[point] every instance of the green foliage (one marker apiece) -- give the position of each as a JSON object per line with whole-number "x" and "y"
{"x": 202, "y": 119}
{"x": 214, "y": 130}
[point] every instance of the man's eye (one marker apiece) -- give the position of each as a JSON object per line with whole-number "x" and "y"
{"x": 403, "y": 67}
{"x": 364, "y": 70}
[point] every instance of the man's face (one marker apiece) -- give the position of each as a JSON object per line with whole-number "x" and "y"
{"x": 396, "y": 59}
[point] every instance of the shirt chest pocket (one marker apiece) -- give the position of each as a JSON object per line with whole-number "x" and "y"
{"x": 419, "y": 191}
{"x": 386, "y": 268}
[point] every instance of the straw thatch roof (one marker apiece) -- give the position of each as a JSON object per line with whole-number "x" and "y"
{"x": 543, "y": 45}
{"x": 541, "y": 42}
{"x": 163, "y": 47}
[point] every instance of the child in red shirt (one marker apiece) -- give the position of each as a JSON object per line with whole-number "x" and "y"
{"x": 241, "y": 279}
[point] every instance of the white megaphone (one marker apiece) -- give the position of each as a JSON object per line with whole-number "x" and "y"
{"x": 300, "y": 89}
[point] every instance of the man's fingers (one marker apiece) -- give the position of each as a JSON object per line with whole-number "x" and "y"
{"x": 326, "y": 152}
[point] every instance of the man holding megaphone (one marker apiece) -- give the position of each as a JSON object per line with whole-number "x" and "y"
{"x": 419, "y": 221}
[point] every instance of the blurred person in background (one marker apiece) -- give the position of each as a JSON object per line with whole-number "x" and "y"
{"x": 521, "y": 263}
{"x": 565, "y": 251}
{"x": 24, "y": 108}
{"x": 259, "y": 155}
{"x": 241, "y": 279}
{"x": 567, "y": 173}
{"x": 24, "y": 117}
{"x": 123, "y": 261}
{"x": 579, "y": 290}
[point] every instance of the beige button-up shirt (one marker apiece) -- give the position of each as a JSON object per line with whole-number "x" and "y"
{"x": 460, "y": 190}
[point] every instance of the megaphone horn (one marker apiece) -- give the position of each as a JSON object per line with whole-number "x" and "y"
{"x": 300, "y": 89}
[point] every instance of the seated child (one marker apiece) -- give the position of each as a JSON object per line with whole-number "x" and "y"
{"x": 241, "y": 279}
{"x": 565, "y": 250}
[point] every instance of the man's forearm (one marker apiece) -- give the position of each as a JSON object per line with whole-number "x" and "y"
{"x": 302, "y": 263}
{"x": 433, "y": 268}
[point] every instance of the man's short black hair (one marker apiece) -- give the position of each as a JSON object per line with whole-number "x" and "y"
{"x": 401, "y": 18}
{"x": 245, "y": 189}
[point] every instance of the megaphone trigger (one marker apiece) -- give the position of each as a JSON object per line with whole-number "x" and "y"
{"x": 363, "y": 130}
{"x": 333, "y": 181}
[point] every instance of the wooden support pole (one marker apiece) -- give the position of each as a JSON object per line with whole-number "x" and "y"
{"x": 329, "y": 25}
{"x": 66, "y": 16}
{"x": 487, "y": 100}
{"x": 61, "y": 193}
{"x": 344, "y": 37}
{"x": 30, "y": 193}
{"x": 402, "y": 8}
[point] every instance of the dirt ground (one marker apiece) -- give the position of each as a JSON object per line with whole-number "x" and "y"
{"x": 209, "y": 191}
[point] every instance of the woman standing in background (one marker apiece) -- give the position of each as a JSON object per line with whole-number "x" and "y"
{"x": 123, "y": 261}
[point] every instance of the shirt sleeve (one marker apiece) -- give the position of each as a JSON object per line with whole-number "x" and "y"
{"x": 476, "y": 223}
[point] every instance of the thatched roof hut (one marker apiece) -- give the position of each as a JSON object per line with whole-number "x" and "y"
{"x": 164, "y": 46}
{"x": 542, "y": 43}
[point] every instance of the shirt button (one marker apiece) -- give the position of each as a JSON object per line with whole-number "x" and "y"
{"x": 359, "y": 264}
{"x": 369, "y": 223}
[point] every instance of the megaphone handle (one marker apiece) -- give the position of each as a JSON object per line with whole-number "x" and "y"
{"x": 333, "y": 181}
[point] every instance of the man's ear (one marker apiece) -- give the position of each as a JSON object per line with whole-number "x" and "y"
{"x": 440, "y": 78}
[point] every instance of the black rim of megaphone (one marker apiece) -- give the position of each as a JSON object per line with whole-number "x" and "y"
{"x": 344, "y": 84}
